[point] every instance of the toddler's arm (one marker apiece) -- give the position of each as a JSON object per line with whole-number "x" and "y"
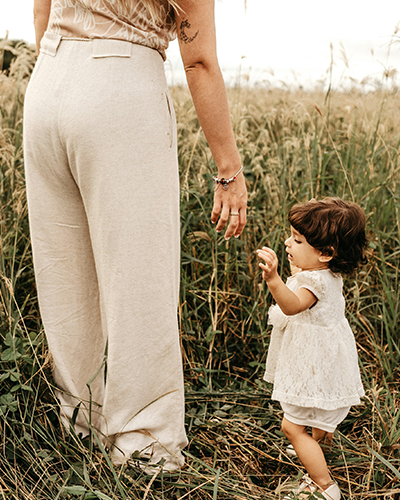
{"x": 290, "y": 302}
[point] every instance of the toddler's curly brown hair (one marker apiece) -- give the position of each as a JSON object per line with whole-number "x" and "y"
{"x": 334, "y": 227}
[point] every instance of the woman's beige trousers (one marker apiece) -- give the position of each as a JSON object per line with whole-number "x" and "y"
{"x": 103, "y": 198}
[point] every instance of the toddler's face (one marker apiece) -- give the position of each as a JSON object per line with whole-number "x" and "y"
{"x": 302, "y": 255}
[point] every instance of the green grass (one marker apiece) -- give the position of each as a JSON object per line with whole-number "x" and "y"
{"x": 294, "y": 146}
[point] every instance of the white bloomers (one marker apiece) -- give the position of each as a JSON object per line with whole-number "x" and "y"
{"x": 326, "y": 420}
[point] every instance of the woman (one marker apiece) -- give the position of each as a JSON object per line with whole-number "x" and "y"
{"x": 103, "y": 196}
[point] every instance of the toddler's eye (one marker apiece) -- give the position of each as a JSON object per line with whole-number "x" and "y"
{"x": 297, "y": 241}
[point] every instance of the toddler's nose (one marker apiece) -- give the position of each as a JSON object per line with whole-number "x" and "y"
{"x": 287, "y": 242}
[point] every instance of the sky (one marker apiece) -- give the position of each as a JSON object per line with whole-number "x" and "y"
{"x": 285, "y": 42}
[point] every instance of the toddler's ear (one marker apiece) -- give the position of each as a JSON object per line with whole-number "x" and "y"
{"x": 328, "y": 256}
{"x": 325, "y": 258}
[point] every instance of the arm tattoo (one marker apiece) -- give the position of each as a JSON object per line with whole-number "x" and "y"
{"x": 183, "y": 36}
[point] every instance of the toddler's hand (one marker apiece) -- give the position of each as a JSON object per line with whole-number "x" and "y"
{"x": 270, "y": 264}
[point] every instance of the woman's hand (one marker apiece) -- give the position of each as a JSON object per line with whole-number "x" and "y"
{"x": 270, "y": 264}
{"x": 230, "y": 205}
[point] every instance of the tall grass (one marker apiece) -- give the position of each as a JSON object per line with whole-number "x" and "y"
{"x": 294, "y": 145}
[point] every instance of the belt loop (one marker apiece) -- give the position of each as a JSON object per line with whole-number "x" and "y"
{"x": 50, "y": 43}
{"x": 103, "y": 47}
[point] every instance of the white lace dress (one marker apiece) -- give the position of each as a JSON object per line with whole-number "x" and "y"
{"x": 312, "y": 359}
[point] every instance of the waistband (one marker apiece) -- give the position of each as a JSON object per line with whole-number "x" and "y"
{"x": 101, "y": 47}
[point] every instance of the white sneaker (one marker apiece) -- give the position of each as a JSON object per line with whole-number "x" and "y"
{"x": 331, "y": 493}
{"x": 290, "y": 451}
{"x": 307, "y": 483}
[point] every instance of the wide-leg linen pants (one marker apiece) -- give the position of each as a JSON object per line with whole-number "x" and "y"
{"x": 103, "y": 199}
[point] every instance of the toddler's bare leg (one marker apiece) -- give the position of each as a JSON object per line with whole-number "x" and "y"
{"x": 323, "y": 438}
{"x": 309, "y": 452}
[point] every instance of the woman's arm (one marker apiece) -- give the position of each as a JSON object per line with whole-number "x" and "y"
{"x": 41, "y": 13}
{"x": 290, "y": 302}
{"x": 196, "y": 34}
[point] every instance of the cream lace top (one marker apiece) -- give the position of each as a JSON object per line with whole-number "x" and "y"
{"x": 110, "y": 19}
{"x": 312, "y": 358}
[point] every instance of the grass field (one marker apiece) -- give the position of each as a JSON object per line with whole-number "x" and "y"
{"x": 294, "y": 145}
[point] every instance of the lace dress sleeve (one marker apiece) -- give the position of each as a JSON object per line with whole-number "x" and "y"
{"x": 313, "y": 281}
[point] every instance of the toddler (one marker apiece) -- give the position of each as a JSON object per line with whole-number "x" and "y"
{"x": 312, "y": 358}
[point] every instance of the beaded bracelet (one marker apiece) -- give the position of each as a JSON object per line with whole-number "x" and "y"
{"x": 225, "y": 182}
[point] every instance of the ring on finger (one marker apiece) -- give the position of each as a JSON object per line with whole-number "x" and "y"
{"x": 234, "y": 213}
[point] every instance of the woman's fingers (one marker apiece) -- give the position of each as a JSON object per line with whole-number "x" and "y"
{"x": 216, "y": 210}
{"x": 223, "y": 219}
{"x": 236, "y": 219}
{"x": 242, "y": 222}
{"x": 234, "y": 222}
